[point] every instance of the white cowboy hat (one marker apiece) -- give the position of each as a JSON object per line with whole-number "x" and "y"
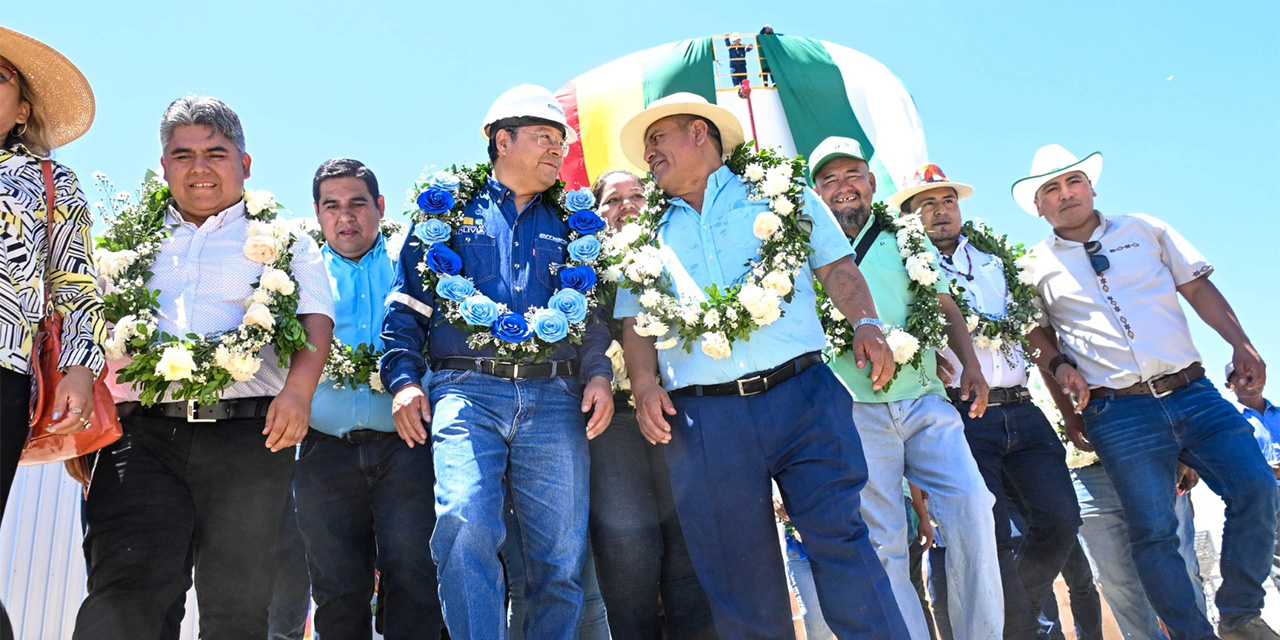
{"x": 63, "y": 99}
{"x": 831, "y": 148}
{"x": 528, "y": 101}
{"x": 1051, "y": 161}
{"x": 632, "y": 135}
{"x": 930, "y": 176}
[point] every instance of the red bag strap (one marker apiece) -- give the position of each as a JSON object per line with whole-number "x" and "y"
{"x": 50, "y": 196}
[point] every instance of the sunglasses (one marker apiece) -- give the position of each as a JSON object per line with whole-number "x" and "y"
{"x": 7, "y": 73}
{"x": 1099, "y": 263}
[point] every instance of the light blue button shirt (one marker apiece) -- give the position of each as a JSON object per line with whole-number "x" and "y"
{"x": 359, "y": 296}
{"x": 713, "y": 248}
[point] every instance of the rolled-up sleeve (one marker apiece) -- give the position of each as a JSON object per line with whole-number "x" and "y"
{"x": 1185, "y": 262}
{"x": 315, "y": 294}
{"x": 73, "y": 277}
{"x": 407, "y": 324}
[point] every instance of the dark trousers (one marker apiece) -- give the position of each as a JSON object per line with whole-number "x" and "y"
{"x": 639, "y": 547}
{"x": 1016, "y": 448}
{"x": 171, "y": 496}
{"x": 363, "y": 506}
{"x": 291, "y": 595}
{"x": 723, "y": 452}
{"x": 15, "y": 416}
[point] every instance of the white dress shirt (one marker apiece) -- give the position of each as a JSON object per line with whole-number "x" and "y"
{"x": 204, "y": 278}
{"x": 1125, "y": 325}
{"x": 988, "y": 294}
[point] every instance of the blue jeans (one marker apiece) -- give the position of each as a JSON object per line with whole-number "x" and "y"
{"x": 723, "y": 452}
{"x": 363, "y": 506}
{"x": 637, "y": 541}
{"x": 531, "y": 434}
{"x": 595, "y": 620}
{"x": 1105, "y": 540}
{"x": 1140, "y": 440}
{"x": 1018, "y": 451}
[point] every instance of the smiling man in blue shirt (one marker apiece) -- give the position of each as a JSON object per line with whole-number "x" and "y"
{"x": 364, "y": 497}
{"x": 500, "y": 425}
{"x": 771, "y": 410}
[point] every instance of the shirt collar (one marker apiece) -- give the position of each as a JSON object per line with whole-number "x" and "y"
{"x": 500, "y": 192}
{"x": 374, "y": 253}
{"x": 1267, "y": 407}
{"x": 716, "y": 182}
{"x": 1104, "y": 225}
{"x": 214, "y": 222}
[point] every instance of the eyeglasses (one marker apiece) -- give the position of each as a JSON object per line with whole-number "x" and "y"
{"x": 546, "y": 140}
{"x": 1099, "y": 263}
{"x": 7, "y": 73}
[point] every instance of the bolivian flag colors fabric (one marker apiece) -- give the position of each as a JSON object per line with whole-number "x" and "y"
{"x": 814, "y": 89}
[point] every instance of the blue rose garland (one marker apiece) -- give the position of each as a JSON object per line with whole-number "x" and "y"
{"x": 442, "y": 201}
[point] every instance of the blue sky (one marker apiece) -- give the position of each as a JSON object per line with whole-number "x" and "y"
{"x": 1183, "y": 99}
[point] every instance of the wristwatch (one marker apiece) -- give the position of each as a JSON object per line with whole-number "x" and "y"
{"x": 875, "y": 322}
{"x": 1058, "y": 361}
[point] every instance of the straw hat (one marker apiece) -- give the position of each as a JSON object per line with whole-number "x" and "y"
{"x": 1051, "y": 161}
{"x": 63, "y": 99}
{"x": 632, "y": 136}
{"x": 930, "y": 176}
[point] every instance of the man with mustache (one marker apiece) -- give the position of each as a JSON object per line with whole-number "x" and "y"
{"x": 1012, "y": 441}
{"x": 498, "y": 425}
{"x": 770, "y": 410}
{"x": 1109, "y": 288}
{"x": 911, "y": 429}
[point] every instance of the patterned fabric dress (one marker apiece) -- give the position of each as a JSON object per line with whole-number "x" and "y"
{"x": 23, "y": 247}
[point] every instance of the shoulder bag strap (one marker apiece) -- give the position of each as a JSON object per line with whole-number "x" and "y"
{"x": 873, "y": 232}
{"x": 50, "y": 195}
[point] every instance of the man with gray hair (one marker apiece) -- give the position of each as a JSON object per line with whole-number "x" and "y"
{"x": 192, "y": 486}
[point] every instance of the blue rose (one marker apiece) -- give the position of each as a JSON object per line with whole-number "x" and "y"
{"x": 571, "y": 303}
{"x": 479, "y": 310}
{"x": 550, "y": 324}
{"x": 455, "y": 288}
{"x": 584, "y": 249}
{"x": 580, "y": 277}
{"x": 586, "y": 221}
{"x": 444, "y": 180}
{"x": 433, "y": 231}
{"x": 579, "y": 200}
{"x": 511, "y": 327}
{"x": 435, "y": 201}
{"x": 442, "y": 259}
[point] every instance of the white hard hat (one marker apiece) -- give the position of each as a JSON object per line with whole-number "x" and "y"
{"x": 528, "y": 101}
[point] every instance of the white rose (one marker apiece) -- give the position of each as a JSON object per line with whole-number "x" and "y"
{"x": 112, "y": 264}
{"x": 920, "y": 270}
{"x": 176, "y": 364}
{"x": 222, "y": 356}
{"x": 971, "y": 322}
{"x": 768, "y": 316}
{"x": 1023, "y": 265}
{"x": 261, "y": 249}
{"x": 375, "y": 382}
{"x": 114, "y": 347}
{"x": 754, "y": 172}
{"x": 711, "y": 318}
{"x": 628, "y": 234}
{"x": 126, "y": 327}
{"x": 258, "y": 314}
{"x": 260, "y": 296}
{"x": 782, "y": 206}
{"x": 756, "y": 299}
{"x": 772, "y": 188}
{"x": 666, "y": 344}
{"x": 777, "y": 282}
{"x": 766, "y": 225}
{"x": 281, "y": 231}
{"x": 257, "y": 201}
{"x": 242, "y": 367}
{"x": 258, "y": 228}
{"x": 649, "y": 326}
{"x": 716, "y": 345}
{"x": 650, "y": 299}
{"x": 274, "y": 279}
{"x": 903, "y": 345}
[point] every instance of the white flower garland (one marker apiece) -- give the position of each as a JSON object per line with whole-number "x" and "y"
{"x": 353, "y": 367}
{"x": 1000, "y": 332}
{"x": 727, "y": 315}
{"x": 201, "y": 365}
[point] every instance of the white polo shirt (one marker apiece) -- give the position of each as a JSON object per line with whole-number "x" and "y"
{"x": 988, "y": 294}
{"x": 1123, "y": 326}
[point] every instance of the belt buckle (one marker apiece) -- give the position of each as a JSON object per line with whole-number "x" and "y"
{"x": 515, "y": 370}
{"x": 191, "y": 413}
{"x": 744, "y": 392}
{"x": 1151, "y": 386}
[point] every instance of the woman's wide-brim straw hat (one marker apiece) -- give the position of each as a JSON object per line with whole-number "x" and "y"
{"x": 62, "y": 96}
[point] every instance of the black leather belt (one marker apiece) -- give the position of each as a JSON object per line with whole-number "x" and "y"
{"x": 997, "y": 396}
{"x": 510, "y": 370}
{"x": 755, "y": 383}
{"x": 1158, "y": 387}
{"x": 355, "y": 436}
{"x": 192, "y": 411}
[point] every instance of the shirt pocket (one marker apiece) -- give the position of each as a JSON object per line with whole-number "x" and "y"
{"x": 548, "y": 255}
{"x": 479, "y": 257}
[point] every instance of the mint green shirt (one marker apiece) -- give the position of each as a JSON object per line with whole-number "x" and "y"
{"x": 886, "y": 276}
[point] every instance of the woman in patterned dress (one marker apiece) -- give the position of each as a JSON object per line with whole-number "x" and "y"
{"x": 45, "y": 102}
